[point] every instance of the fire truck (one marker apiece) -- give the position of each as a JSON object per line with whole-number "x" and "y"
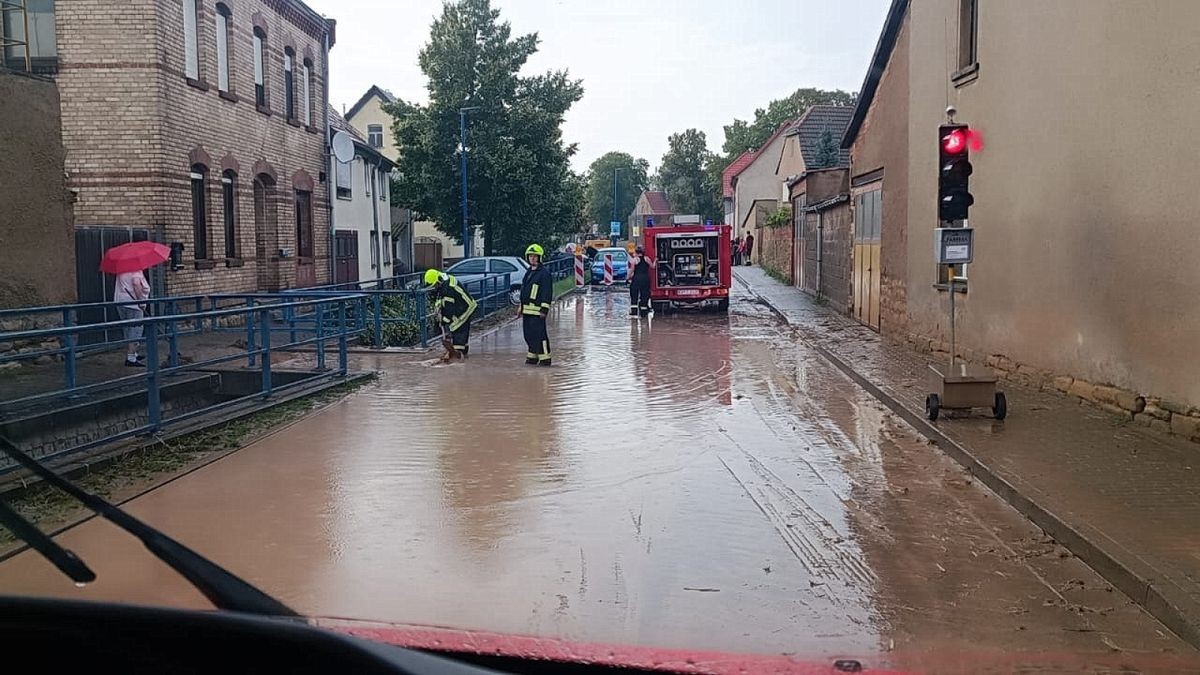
{"x": 693, "y": 265}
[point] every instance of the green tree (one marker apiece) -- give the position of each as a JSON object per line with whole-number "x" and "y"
{"x": 827, "y": 153}
{"x": 521, "y": 187}
{"x": 686, "y": 175}
{"x": 741, "y": 135}
{"x": 632, "y": 179}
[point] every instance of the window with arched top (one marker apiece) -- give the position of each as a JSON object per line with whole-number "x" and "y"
{"x": 224, "y": 25}
{"x": 229, "y": 211}
{"x": 199, "y": 178}
{"x": 260, "y": 73}
{"x": 289, "y": 83}
{"x": 306, "y": 99}
{"x": 191, "y": 39}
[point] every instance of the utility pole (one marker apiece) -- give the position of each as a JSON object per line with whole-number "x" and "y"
{"x": 462, "y": 139}
{"x": 616, "y": 170}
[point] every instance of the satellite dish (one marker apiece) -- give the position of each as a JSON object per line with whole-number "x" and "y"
{"x": 343, "y": 147}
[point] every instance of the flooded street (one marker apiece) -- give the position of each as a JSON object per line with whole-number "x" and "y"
{"x": 692, "y": 480}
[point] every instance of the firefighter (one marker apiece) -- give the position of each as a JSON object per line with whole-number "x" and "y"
{"x": 537, "y": 292}
{"x": 455, "y": 307}
{"x": 639, "y": 284}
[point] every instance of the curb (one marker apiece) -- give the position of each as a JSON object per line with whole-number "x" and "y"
{"x": 1133, "y": 578}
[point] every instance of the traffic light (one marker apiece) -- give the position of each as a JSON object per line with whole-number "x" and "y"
{"x": 954, "y": 172}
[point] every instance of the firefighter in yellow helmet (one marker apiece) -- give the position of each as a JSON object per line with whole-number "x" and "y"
{"x": 455, "y": 307}
{"x": 537, "y": 292}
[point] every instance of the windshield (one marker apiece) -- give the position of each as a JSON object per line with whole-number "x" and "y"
{"x": 818, "y": 422}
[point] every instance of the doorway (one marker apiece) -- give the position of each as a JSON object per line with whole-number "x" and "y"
{"x": 868, "y": 220}
{"x": 345, "y": 249}
{"x": 266, "y": 232}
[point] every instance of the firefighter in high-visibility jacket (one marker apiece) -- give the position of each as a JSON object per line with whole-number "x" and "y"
{"x": 455, "y": 307}
{"x": 537, "y": 292}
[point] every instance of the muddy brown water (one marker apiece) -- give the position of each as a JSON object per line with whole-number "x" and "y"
{"x": 693, "y": 480}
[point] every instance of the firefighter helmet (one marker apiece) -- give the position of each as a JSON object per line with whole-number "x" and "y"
{"x": 432, "y": 276}
{"x": 535, "y": 249}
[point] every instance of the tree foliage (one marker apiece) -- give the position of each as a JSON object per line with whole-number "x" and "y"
{"x": 686, "y": 175}
{"x": 521, "y": 187}
{"x": 827, "y": 153}
{"x": 632, "y": 177}
{"x": 741, "y": 135}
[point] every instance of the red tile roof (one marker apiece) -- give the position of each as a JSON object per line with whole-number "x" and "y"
{"x": 735, "y": 167}
{"x": 658, "y": 202}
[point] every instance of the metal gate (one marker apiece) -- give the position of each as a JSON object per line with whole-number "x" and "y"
{"x": 92, "y": 285}
{"x": 345, "y": 247}
{"x": 868, "y": 220}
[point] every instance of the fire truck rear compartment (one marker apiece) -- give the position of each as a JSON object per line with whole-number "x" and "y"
{"x": 692, "y": 260}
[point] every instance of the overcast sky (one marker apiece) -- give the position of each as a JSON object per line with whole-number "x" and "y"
{"x": 649, "y": 67}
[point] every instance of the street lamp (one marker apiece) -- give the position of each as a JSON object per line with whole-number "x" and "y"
{"x": 462, "y": 139}
{"x": 616, "y": 170}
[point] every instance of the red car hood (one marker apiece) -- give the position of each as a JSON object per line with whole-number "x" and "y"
{"x": 455, "y": 641}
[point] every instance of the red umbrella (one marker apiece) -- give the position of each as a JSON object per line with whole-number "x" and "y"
{"x": 134, "y": 257}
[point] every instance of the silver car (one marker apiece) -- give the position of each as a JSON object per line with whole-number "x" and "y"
{"x": 473, "y": 269}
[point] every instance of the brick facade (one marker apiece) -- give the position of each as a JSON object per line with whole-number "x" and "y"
{"x": 133, "y": 126}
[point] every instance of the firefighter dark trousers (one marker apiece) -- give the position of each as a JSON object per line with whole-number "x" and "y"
{"x": 536, "y": 339}
{"x": 639, "y": 296}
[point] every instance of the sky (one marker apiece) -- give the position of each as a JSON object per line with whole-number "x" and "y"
{"x": 650, "y": 68}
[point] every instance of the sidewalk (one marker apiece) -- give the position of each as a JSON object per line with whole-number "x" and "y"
{"x": 1123, "y": 498}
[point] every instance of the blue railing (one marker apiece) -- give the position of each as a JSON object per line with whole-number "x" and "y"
{"x": 333, "y": 330}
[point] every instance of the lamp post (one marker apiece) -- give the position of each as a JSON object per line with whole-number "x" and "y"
{"x": 462, "y": 139}
{"x": 616, "y": 170}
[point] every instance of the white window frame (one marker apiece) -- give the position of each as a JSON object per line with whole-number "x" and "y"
{"x": 191, "y": 39}
{"x": 386, "y": 247}
{"x": 375, "y": 138}
{"x": 260, "y": 67}
{"x": 374, "y": 250}
{"x": 343, "y": 179}
{"x": 223, "y": 27}
{"x": 367, "y": 178}
{"x": 289, "y": 85}
{"x": 383, "y": 186}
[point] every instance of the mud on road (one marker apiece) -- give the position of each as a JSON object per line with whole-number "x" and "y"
{"x": 695, "y": 481}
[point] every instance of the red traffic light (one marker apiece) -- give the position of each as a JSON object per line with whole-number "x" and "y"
{"x": 954, "y": 142}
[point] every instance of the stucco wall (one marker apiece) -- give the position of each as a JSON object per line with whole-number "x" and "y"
{"x": 356, "y": 214}
{"x": 372, "y": 113}
{"x": 1084, "y": 214}
{"x": 883, "y": 144}
{"x": 37, "y": 239}
{"x": 757, "y": 181}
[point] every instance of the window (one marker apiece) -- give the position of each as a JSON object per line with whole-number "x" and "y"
{"x": 374, "y": 249}
{"x": 260, "y": 73}
{"x": 304, "y": 224}
{"x": 224, "y": 21}
{"x": 191, "y": 40}
{"x": 387, "y": 248}
{"x": 344, "y": 172}
{"x": 472, "y": 266}
{"x": 306, "y": 99}
{"x": 229, "y": 207}
{"x": 367, "y": 171}
{"x": 501, "y": 267}
{"x": 968, "y": 22}
{"x": 384, "y": 186}
{"x": 199, "y": 211}
{"x": 39, "y": 45}
{"x": 375, "y": 135}
{"x": 289, "y": 84}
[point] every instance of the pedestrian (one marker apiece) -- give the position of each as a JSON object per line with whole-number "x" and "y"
{"x": 749, "y": 244}
{"x": 537, "y": 292}
{"x": 455, "y": 308}
{"x": 132, "y": 286}
{"x": 639, "y": 283}
{"x": 736, "y": 251}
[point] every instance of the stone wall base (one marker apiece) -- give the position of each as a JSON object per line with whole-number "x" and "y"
{"x": 1170, "y": 417}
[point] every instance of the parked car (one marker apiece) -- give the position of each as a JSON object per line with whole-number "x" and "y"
{"x": 620, "y": 263}
{"x": 474, "y": 269}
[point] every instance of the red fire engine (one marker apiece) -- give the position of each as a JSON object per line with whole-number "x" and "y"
{"x": 693, "y": 265}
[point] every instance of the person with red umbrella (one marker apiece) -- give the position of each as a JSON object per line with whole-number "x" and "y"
{"x": 127, "y": 262}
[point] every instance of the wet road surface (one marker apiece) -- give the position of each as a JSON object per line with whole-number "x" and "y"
{"x": 693, "y": 480}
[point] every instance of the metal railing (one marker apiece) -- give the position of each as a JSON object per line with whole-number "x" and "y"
{"x": 332, "y": 331}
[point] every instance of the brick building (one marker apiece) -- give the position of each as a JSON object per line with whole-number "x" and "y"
{"x": 199, "y": 123}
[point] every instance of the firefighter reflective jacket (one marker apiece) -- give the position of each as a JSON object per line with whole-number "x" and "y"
{"x": 454, "y": 303}
{"x": 537, "y": 291}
